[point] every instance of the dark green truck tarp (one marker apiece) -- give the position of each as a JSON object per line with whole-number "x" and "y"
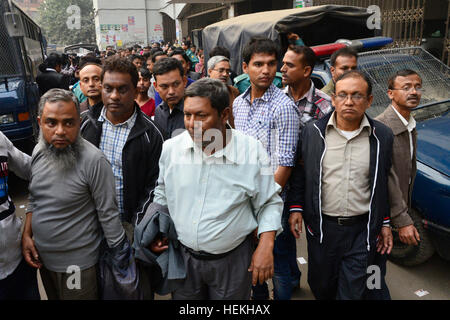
{"x": 315, "y": 25}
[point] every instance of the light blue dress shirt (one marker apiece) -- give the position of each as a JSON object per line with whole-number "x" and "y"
{"x": 216, "y": 201}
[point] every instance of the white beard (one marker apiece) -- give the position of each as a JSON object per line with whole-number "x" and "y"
{"x": 62, "y": 159}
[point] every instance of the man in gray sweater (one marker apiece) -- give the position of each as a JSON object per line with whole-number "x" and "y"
{"x": 72, "y": 203}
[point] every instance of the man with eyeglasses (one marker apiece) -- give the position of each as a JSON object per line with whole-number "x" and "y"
{"x": 339, "y": 187}
{"x": 219, "y": 68}
{"x": 404, "y": 90}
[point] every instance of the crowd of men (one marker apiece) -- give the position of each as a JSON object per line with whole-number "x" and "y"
{"x": 151, "y": 137}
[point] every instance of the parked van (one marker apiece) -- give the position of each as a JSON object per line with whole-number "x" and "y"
{"x": 21, "y": 52}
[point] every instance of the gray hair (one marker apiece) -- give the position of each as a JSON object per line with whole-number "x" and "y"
{"x": 215, "y": 60}
{"x": 214, "y": 90}
{"x": 55, "y": 95}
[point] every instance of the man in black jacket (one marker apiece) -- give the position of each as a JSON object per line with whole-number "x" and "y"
{"x": 170, "y": 83}
{"x": 339, "y": 187}
{"x": 130, "y": 140}
{"x": 50, "y": 74}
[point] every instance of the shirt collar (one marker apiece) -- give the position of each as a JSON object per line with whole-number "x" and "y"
{"x": 410, "y": 125}
{"x": 229, "y": 152}
{"x": 127, "y": 124}
{"x": 266, "y": 97}
{"x": 178, "y": 106}
{"x": 308, "y": 95}
{"x": 364, "y": 123}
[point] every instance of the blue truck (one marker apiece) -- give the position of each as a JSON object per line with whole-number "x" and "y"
{"x": 21, "y": 52}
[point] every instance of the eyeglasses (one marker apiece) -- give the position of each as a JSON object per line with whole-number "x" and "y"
{"x": 408, "y": 89}
{"x": 222, "y": 70}
{"x": 355, "y": 97}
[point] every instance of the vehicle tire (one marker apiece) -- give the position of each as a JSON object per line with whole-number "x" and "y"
{"x": 409, "y": 255}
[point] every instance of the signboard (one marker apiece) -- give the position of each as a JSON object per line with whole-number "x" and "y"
{"x": 131, "y": 20}
{"x": 107, "y": 28}
{"x": 303, "y": 3}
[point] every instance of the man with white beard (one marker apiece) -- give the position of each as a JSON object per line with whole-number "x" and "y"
{"x": 72, "y": 202}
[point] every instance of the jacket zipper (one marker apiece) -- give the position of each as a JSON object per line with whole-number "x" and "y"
{"x": 320, "y": 182}
{"x": 373, "y": 189}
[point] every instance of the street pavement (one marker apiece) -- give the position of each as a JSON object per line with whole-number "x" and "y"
{"x": 431, "y": 280}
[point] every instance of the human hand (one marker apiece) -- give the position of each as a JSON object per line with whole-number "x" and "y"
{"x": 262, "y": 266}
{"x": 409, "y": 235}
{"x": 385, "y": 241}
{"x": 293, "y": 36}
{"x": 295, "y": 222}
{"x": 29, "y": 252}
{"x": 159, "y": 245}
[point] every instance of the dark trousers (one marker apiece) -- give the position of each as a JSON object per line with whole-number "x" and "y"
{"x": 21, "y": 284}
{"x": 382, "y": 293}
{"x": 286, "y": 272}
{"x": 226, "y": 278}
{"x": 337, "y": 267}
{"x": 56, "y": 285}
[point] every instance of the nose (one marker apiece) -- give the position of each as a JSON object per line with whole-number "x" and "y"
{"x": 348, "y": 100}
{"x": 191, "y": 122}
{"x": 265, "y": 69}
{"x": 115, "y": 94}
{"x": 171, "y": 91}
{"x": 60, "y": 131}
{"x": 91, "y": 83}
{"x": 414, "y": 90}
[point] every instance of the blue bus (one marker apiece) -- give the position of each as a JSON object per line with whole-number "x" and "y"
{"x": 21, "y": 52}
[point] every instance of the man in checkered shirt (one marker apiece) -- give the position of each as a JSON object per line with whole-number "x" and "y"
{"x": 312, "y": 104}
{"x": 298, "y": 65}
{"x": 266, "y": 113}
{"x": 131, "y": 142}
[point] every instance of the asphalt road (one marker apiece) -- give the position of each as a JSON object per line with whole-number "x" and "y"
{"x": 433, "y": 276}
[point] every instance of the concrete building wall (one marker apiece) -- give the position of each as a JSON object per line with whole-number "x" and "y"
{"x": 125, "y": 23}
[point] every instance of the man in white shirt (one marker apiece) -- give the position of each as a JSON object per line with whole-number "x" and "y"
{"x": 218, "y": 186}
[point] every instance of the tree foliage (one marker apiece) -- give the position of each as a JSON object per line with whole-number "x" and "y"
{"x": 54, "y": 17}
